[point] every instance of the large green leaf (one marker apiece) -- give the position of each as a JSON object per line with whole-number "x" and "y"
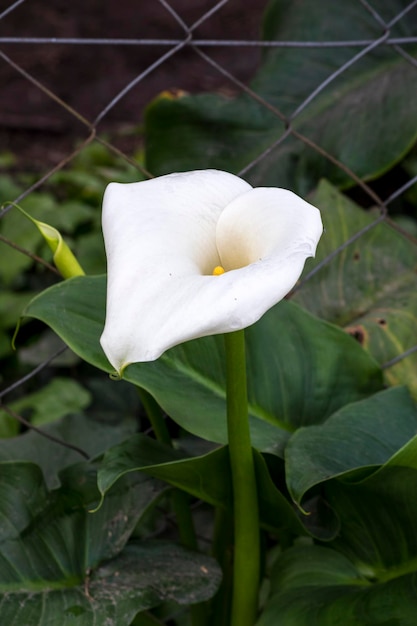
{"x": 315, "y": 586}
{"x": 206, "y": 477}
{"x": 300, "y": 369}
{"x": 379, "y": 516}
{"x": 370, "y": 288}
{"x": 365, "y": 117}
{"x": 51, "y": 537}
{"x": 276, "y": 513}
{"x": 59, "y": 559}
{"x": 365, "y": 459}
{"x": 361, "y": 435}
{"x": 141, "y": 577}
{"x": 377, "y": 265}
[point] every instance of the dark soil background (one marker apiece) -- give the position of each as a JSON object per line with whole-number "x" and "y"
{"x": 40, "y": 131}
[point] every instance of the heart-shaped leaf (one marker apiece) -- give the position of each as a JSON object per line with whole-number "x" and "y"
{"x": 206, "y": 477}
{"x": 370, "y": 288}
{"x": 364, "y": 458}
{"x": 379, "y": 515}
{"x": 360, "y": 435}
{"x": 364, "y": 116}
{"x": 316, "y": 586}
{"x": 300, "y": 369}
{"x": 59, "y": 559}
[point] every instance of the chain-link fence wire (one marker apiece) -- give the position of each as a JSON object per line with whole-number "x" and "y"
{"x": 12, "y": 49}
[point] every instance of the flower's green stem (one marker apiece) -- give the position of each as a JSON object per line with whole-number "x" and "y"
{"x": 246, "y": 567}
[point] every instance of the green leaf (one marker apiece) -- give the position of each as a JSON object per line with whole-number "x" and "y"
{"x": 82, "y": 184}
{"x": 59, "y": 559}
{"x": 74, "y": 540}
{"x": 206, "y": 477}
{"x": 361, "y": 435}
{"x": 364, "y": 117}
{"x": 364, "y": 457}
{"x": 90, "y": 171}
{"x": 379, "y": 516}
{"x": 58, "y": 398}
{"x": 8, "y": 189}
{"x": 276, "y": 513}
{"x": 140, "y": 578}
{"x": 92, "y": 436}
{"x": 370, "y": 288}
{"x": 66, "y": 216}
{"x": 9, "y": 426}
{"x": 87, "y": 302}
{"x": 300, "y": 369}
{"x": 315, "y": 586}
{"x": 313, "y": 566}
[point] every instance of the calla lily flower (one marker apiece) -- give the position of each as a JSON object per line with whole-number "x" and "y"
{"x": 195, "y": 254}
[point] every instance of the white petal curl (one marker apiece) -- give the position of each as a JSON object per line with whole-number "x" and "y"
{"x": 163, "y": 239}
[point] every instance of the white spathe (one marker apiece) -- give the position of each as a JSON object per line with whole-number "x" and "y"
{"x": 165, "y": 236}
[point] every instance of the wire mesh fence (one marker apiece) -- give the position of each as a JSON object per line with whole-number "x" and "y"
{"x": 50, "y": 52}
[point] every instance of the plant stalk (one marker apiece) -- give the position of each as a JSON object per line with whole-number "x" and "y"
{"x": 246, "y": 565}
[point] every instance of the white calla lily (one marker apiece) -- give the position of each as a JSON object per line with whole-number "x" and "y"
{"x": 164, "y": 238}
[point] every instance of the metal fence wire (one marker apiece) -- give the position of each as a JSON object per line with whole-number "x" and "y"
{"x": 212, "y": 45}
